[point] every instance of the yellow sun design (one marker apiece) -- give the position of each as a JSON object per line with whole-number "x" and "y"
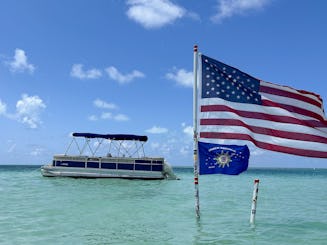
{"x": 223, "y": 159}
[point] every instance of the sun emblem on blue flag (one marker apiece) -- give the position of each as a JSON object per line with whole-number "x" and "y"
{"x": 223, "y": 159}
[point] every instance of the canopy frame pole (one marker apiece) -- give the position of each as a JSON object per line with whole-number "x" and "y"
{"x": 89, "y": 146}
{"x": 68, "y": 148}
{"x": 99, "y": 143}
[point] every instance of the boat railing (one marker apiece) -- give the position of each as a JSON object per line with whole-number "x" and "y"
{"x": 114, "y": 163}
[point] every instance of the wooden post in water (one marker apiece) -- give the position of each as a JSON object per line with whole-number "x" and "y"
{"x": 254, "y": 201}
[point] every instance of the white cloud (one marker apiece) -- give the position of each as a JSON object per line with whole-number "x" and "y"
{"x": 193, "y": 16}
{"x": 157, "y": 130}
{"x": 28, "y": 110}
{"x": 103, "y": 104}
{"x": 37, "y": 152}
{"x": 185, "y": 150}
{"x": 228, "y": 8}
{"x": 3, "y": 108}
{"x": 93, "y": 118}
{"x": 162, "y": 148}
{"x": 121, "y": 117}
{"x": 154, "y": 13}
{"x": 182, "y": 77}
{"x": 155, "y": 145}
{"x": 20, "y": 63}
{"x": 175, "y": 146}
{"x": 106, "y": 115}
{"x": 188, "y": 130}
{"x": 78, "y": 72}
{"x": 114, "y": 74}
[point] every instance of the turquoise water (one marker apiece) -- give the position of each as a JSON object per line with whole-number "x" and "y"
{"x": 292, "y": 209}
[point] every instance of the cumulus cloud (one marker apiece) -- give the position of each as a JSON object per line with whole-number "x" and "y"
{"x": 78, "y": 72}
{"x": 109, "y": 116}
{"x": 37, "y": 152}
{"x": 154, "y": 13}
{"x": 181, "y": 77}
{"x": 157, "y": 130}
{"x": 185, "y": 150}
{"x": 105, "y": 114}
{"x": 3, "y": 108}
{"x": 93, "y": 118}
{"x": 19, "y": 63}
{"x": 103, "y": 104}
{"x": 114, "y": 74}
{"x": 121, "y": 117}
{"x": 155, "y": 145}
{"x": 229, "y": 8}
{"x": 28, "y": 110}
{"x": 188, "y": 130}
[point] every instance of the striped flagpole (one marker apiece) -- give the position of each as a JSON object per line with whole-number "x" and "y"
{"x": 195, "y": 133}
{"x": 254, "y": 201}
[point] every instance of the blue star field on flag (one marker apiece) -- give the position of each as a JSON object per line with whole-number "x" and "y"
{"x": 222, "y": 81}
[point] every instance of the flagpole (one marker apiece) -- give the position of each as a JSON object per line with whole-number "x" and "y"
{"x": 195, "y": 133}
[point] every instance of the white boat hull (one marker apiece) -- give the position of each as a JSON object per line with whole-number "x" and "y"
{"x": 53, "y": 171}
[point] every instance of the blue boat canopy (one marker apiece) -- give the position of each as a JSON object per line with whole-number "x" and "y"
{"x": 112, "y": 136}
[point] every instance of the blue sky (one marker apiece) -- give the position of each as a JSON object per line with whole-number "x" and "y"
{"x": 110, "y": 66}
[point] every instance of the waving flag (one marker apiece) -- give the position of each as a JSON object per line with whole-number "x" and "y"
{"x": 223, "y": 159}
{"x": 235, "y": 105}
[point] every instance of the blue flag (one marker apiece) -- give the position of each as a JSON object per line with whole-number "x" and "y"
{"x": 223, "y": 159}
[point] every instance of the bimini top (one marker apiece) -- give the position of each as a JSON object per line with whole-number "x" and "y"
{"x": 112, "y": 136}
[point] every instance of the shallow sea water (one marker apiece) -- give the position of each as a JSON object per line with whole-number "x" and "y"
{"x": 291, "y": 208}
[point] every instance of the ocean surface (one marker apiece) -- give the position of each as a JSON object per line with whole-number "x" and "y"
{"x": 291, "y": 208}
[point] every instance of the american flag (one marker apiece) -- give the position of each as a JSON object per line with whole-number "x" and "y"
{"x": 236, "y": 106}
